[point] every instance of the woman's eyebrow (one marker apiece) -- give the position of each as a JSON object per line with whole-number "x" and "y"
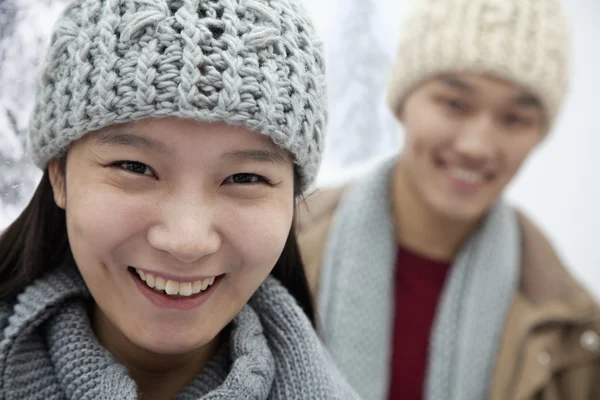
{"x": 120, "y": 137}
{"x": 271, "y": 156}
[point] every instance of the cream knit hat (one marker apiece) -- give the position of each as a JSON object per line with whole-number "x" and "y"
{"x": 523, "y": 41}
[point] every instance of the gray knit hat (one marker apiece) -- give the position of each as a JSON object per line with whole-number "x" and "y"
{"x": 255, "y": 63}
{"x": 523, "y": 41}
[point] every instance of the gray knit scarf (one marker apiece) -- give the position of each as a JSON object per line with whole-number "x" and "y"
{"x": 48, "y": 351}
{"x": 356, "y": 300}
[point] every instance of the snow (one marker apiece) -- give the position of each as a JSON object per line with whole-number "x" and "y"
{"x": 25, "y": 30}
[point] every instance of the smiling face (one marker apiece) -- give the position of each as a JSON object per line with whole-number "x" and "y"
{"x": 467, "y": 135}
{"x": 199, "y": 211}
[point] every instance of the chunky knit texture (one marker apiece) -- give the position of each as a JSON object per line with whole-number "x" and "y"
{"x": 358, "y": 314}
{"x": 48, "y": 351}
{"x": 523, "y": 41}
{"x": 255, "y": 63}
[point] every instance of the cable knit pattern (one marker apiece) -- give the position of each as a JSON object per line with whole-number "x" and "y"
{"x": 523, "y": 41}
{"x": 255, "y": 63}
{"x": 357, "y": 315}
{"x": 48, "y": 351}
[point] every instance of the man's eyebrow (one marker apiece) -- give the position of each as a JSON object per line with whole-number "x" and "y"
{"x": 523, "y": 99}
{"x": 121, "y": 137}
{"x": 456, "y": 83}
{"x": 527, "y": 99}
{"x": 274, "y": 157}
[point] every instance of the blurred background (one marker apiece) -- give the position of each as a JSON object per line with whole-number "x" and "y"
{"x": 558, "y": 187}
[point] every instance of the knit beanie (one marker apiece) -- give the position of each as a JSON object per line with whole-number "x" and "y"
{"x": 526, "y": 42}
{"x": 254, "y": 63}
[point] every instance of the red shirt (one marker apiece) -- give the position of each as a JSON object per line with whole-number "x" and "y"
{"x": 419, "y": 283}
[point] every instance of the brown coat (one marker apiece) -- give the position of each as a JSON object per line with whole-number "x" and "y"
{"x": 550, "y": 347}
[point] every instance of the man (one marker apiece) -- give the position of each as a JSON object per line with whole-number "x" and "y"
{"x": 428, "y": 284}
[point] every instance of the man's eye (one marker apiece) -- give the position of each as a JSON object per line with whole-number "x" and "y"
{"x": 514, "y": 119}
{"x": 135, "y": 167}
{"x": 246, "y": 179}
{"x": 457, "y": 105}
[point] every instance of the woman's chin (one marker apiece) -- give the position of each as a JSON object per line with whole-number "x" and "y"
{"x": 173, "y": 344}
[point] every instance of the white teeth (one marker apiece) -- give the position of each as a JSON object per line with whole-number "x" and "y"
{"x": 467, "y": 176}
{"x": 173, "y": 288}
{"x": 150, "y": 280}
{"x": 141, "y": 274}
{"x": 196, "y": 287}
{"x": 204, "y": 284}
{"x": 185, "y": 289}
{"x": 160, "y": 283}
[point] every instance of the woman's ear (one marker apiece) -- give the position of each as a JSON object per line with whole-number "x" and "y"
{"x": 57, "y": 179}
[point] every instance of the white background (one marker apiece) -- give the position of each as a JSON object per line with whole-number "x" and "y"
{"x": 559, "y": 187}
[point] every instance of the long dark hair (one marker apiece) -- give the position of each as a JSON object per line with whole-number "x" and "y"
{"x": 37, "y": 242}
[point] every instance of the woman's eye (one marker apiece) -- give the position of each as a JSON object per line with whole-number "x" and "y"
{"x": 135, "y": 167}
{"x": 246, "y": 179}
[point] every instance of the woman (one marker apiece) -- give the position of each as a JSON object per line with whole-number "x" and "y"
{"x": 430, "y": 286}
{"x": 157, "y": 259}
